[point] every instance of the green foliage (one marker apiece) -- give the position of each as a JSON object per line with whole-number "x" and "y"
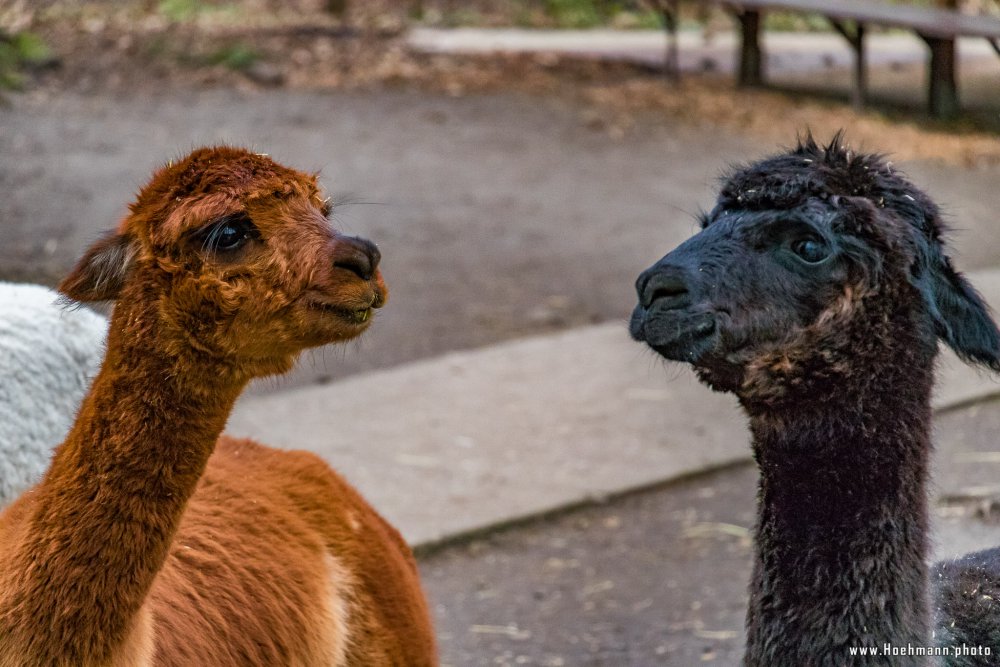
{"x": 180, "y": 11}
{"x": 793, "y": 22}
{"x": 30, "y": 48}
{"x": 569, "y": 14}
{"x": 577, "y": 13}
{"x": 183, "y": 11}
{"x": 462, "y": 17}
{"x": 637, "y": 20}
{"x": 596, "y": 13}
{"x": 16, "y": 52}
{"x": 238, "y": 56}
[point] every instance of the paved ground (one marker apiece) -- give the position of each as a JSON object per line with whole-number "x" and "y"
{"x": 654, "y": 578}
{"x": 498, "y": 216}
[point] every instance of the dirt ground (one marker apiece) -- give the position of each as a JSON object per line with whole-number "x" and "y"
{"x": 627, "y": 584}
{"x": 499, "y": 215}
{"x": 137, "y": 47}
{"x": 511, "y": 195}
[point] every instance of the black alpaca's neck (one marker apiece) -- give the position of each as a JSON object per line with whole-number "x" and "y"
{"x": 842, "y": 521}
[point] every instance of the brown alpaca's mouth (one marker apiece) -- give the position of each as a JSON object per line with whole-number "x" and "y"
{"x": 354, "y": 315}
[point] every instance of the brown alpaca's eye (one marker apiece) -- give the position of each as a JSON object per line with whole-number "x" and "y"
{"x": 229, "y": 234}
{"x": 811, "y": 251}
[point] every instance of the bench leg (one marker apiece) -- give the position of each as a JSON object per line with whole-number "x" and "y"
{"x": 671, "y": 58}
{"x": 856, "y": 38}
{"x": 860, "y": 70}
{"x": 943, "y": 89}
{"x": 751, "y": 59}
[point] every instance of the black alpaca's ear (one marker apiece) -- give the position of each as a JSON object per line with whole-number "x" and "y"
{"x": 101, "y": 272}
{"x": 961, "y": 317}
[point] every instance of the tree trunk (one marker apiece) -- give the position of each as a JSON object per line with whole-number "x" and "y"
{"x": 337, "y": 7}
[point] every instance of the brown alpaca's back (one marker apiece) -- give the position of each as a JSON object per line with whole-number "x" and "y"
{"x": 267, "y": 533}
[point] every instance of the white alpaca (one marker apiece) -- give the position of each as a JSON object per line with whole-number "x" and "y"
{"x": 48, "y": 355}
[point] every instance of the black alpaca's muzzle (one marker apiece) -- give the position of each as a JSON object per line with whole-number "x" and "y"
{"x": 668, "y": 317}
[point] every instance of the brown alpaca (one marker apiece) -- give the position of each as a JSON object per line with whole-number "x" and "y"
{"x": 153, "y": 541}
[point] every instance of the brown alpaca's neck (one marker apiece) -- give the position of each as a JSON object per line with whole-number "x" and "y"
{"x": 103, "y": 517}
{"x": 842, "y": 522}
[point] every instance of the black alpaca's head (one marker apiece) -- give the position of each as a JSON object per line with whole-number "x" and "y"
{"x": 809, "y": 261}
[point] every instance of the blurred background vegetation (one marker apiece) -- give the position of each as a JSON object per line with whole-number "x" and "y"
{"x": 103, "y": 46}
{"x": 39, "y": 35}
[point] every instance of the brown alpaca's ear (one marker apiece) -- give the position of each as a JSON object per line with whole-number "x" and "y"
{"x": 101, "y": 272}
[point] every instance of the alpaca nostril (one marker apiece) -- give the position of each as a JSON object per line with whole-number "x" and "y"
{"x": 666, "y": 286}
{"x": 374, "y": 254}
{"x": 667, "y": 292}
{"x": 359, "y": 265}
{"x": 357, "y": 255}
{"x": 641, "y": 282}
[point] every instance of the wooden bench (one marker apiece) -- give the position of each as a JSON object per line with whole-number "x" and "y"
{"x": 939, "y": 28}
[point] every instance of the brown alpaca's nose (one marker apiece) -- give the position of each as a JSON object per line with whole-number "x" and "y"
{"x": 357, "y": 255}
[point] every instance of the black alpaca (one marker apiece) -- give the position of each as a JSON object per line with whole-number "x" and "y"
{"x": 816, "y": 292}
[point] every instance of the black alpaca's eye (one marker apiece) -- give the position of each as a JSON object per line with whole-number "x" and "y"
{"x": 812, "y": 251}
{"x": 229, "y": 234}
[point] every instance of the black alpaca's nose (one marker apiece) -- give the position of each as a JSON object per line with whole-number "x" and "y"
{"x": 357, "y": 255}
{"x": 664, "y": 285}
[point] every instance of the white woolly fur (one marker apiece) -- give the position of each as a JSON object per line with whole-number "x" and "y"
{"x": 49, "y": 353}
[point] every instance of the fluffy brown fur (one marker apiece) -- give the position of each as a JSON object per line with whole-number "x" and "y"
{"x": 147, "y": 543}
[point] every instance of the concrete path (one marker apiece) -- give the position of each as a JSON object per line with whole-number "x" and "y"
{"x": 786, "y": 51}
{"x": 471, "y": 440}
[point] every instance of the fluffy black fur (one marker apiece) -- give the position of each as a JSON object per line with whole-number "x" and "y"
{"x": 817, "y": 291}
{"x": 968, "y": 605}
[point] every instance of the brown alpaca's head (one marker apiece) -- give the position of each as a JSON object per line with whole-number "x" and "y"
{"x": 232, "y": 256}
